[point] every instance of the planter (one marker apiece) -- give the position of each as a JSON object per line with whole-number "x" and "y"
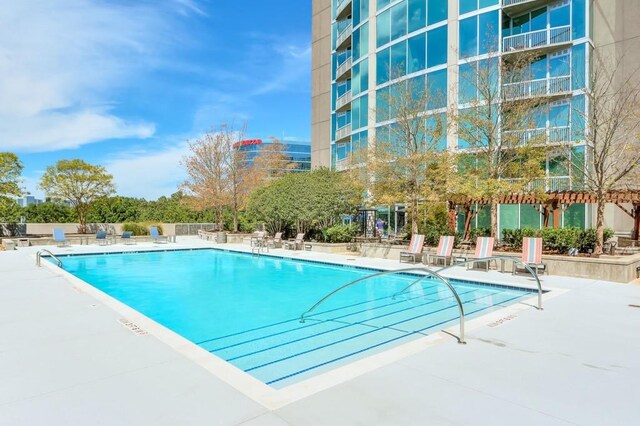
{"x": 221, "y": 237}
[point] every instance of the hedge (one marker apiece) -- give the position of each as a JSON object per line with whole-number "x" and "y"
{"x": 140, "y": 228}
{"x": 556, "y": 239}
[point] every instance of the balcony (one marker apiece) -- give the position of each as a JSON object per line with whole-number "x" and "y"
{"x": 543, "y": 40}
{"x": 344, "y": 38}
{"x": 344, "y": 69}
{"x": 343, "y": 133}
{"x": 546, "y": 87}
{"x": 343, "y": 103}
{"x": 342, "y": 165}
{"x": 547, "y": 184}
{"x": 513, "y": 8}
{"x": 548, "y": 135}
{"x": 344, "y": 9}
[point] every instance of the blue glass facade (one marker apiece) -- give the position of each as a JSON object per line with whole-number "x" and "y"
{"x": 298, "y": 153}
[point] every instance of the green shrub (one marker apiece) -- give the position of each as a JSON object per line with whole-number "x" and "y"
{"x": 140, "y": 228}
{"x": 340, "y": 233}
{"x": 513, "y": 237}
{"x": 587, "y": 239}
{"x": 556, "y": 239}
{"x": 474, "y": 233}
{"x": 561, "y": 239}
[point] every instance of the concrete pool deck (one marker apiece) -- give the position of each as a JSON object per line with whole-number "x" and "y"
{"x": 65, "y": 359}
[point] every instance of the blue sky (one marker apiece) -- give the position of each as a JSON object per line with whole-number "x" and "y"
{"x": 126, "y": 83}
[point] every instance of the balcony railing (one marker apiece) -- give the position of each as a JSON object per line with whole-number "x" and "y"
{"x": 343, "y": 132}
{"x": 343, "y": 101}
{"x": 342, "y": 165}
{"x": 555, "y": 183}
{"x": 343, "y": 37}
{"x": 548, "y": 135}
{"x": 537, "y": 39}
{"x": 553, "y": 86}
{"x": 344, "y": 69}
{"x": 344, "y": 9}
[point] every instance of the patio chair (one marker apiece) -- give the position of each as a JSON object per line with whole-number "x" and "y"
{"x": 59, "y": 238}
{"x": 258, "y": 239}
{"x": 444, "y": 251}
{"x": 484, "y": 248}
{"x": 293, "y": 244}
{"x": 414, "y": 253}
{"x": 531, "y": 255}
{"x": 276, "y": 241}
{"x": 156, "y": 237}
{"x": 101, "y": 238}
{"x": 127, "y": 238}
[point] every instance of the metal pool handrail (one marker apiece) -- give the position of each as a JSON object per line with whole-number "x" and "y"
{"x": 39, "y": 255}
{"x": 486, "y": 259}
{"x": 429, "y": 273}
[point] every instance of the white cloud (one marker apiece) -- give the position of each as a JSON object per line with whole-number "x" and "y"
{"x": 60, "y": 62}
{"x": 149, "y": 174}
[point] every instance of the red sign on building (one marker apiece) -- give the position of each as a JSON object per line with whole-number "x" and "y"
{"x": 247, "y": 142}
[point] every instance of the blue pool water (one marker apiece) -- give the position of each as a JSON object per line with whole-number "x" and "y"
{"x": 246, "y": 309}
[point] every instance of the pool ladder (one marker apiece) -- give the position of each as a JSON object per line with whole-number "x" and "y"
{"x": 39, "y": 257}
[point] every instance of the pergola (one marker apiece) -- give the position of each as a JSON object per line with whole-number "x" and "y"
{"x": 555, "y": 202}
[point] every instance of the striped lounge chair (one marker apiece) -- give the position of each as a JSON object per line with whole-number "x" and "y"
{"x": 531, "y": 255}
{"x": 414, "y": 253}
{"x": 444, "y": 251}
{"x": 484, "y": 248}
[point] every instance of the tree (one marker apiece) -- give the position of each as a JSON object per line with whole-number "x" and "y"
{"x": 78, "y": 182}
{"x": 10, "y": 170}
{"x": 49, "y": 212}
{"x": 409, "y": 162}
{"x": 498, "y": 153}
{"x": 272, "y": 162}
{"x": 611, "y": 128}
{"x": 304, "y": 201}
{"x": 115, "y": 210}
{"x": 217, "y": 173}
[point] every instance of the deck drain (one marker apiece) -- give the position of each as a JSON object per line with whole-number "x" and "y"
{"x": 133, "y": 327}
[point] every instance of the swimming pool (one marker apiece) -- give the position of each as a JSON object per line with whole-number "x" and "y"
{"x": 246, "y": 309}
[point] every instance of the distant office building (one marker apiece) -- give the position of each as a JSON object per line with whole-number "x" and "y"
{"x": 298, "y": 153}
{"x": 27, "y": 200}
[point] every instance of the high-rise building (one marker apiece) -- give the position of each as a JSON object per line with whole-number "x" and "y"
{"x": 356, "y": 42}
{"x": 297, "y": 152}
{"x": 28, "y": 200}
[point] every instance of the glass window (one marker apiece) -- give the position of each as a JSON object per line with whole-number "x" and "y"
{"x": 489, "y": 30}
{"x": 540, "y": 117}
{"x": 356, "y": 11}
{"x": 382, "y": 104}
{"x": 538, "y": 69}
{"x": 468, "y": 37}
{"x": 437, "y": 85}
{"x": 467, "y": 83}
{"x": 574, "y": 216}
{"x": 436, "y": 11}
{"x": 509, "y": 217}
{"x": 487, "y": 3}
{"x": 399, "y": 59}
{"x": 399, "y": 20}
{"x": 364, "y": 75}
{"x": 466, "y": 6}
{"x": 539, "y": 19}
{"x": 559, "y": 16}
{"x": 559, "y": 66}
{"x": 558, "y": 165}
{"x": 578, "y": 58}
{"x": 364, "y": 111}
{"x": 355, "y": 111}
{"x": 417, "y": 51}
{"x": 382, "y": 3}
{"x": 529, "y": 216}
{"x": 417, "y": 87}
{"x": 417, "y": 14}
{"x": 383, "y": 64}
{"x": 520, "y": 24}
{"x": 579, "y": 13}
{"x": 578, "y": 113}
{"x": 559, "y": 115}
{"x": 383, "y": 28}
{"x": 437, "y": 46}
{"x": 437, "y": 123}
{"x": 355, "y": 79}
{"x": 356, "y": 44}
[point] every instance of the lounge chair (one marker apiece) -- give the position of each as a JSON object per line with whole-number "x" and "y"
{"x": 156, "y": 237}
{"x": 531, "y": 255}
{"x": 484, "y": 248}
{"x": 101, "y": 238}
{"x": 444, "y": 251}
{"x": 59, "y": 238}
{"x": 276, "y": 241}
{"x": 415, "y": 249}
{"x": 127, "y": 238}
{"x": 295, "y": 243}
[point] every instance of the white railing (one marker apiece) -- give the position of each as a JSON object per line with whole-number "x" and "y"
{"x": 342, "y": 165}
{"x": 342, "y": 7}
{"x": 506, "y": 3}
{"x": 344, "y": 67}
{"x": 533, "y": 88}
{"x": 536, "y": 39}
{"x": 343, "y": 132}
{"x": 549, "y": 135}
{"x": 344, "y": 35}
{"x": 343, "y": 100}
{"x": 555, "y": 183}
